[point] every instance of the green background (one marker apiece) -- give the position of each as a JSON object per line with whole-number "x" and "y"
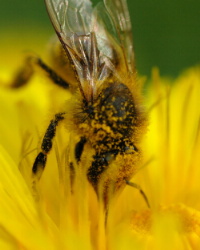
{"x": 166, "y": 33}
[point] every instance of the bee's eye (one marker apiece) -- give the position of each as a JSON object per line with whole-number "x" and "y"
{"x": 110, "y": 157}
{"x": 130, "y": 150}
{"x": 106, "y": 158}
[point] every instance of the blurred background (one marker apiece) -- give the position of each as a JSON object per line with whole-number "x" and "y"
{"x": 166, "y": 33}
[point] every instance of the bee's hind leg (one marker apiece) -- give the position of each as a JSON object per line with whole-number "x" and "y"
{"x": 47, "y": 142}
{"x": 132, "y": 184}
{"x": 23, "y": 74}
{"x": 27, "y": 70}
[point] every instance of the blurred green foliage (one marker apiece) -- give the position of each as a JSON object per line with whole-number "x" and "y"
{"x": 166, "y": 33}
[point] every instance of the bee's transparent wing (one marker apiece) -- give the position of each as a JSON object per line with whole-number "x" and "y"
{"x": 70, "y": 16}
{"x": 73, "y": 22}
{"x": 118, "y": 10}
{"x": 94, "y": 39}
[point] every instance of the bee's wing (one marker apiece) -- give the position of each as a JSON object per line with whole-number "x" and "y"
{"x": 70, "y": 16}
{"x": 118, "y": 10}
{"x": 88, "y": 37}
{"x": 72, "y": 20}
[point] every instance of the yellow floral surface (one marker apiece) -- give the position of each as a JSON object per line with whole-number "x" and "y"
{"x": 53, "y": 217}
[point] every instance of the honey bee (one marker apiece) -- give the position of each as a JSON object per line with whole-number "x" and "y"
{"x": 94, "y": 59}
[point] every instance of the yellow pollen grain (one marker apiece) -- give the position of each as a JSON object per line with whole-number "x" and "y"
{"x": 141, "y": 221}
{"x": 189, "y": 218}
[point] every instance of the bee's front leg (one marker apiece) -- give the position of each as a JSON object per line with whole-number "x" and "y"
{"x": 40, "y": 161}
{"x": 27, "y": 70}
{"x": 132, "y": 184}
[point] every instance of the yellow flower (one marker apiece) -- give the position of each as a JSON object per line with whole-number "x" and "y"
{"x": 50, "y": 216}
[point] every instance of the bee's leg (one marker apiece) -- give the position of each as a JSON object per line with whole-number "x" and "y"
{"x": 40, "y": 161}
{"x": 79, "y": 148}
{"x": 141, "y": 191}
{"x": 53, "y": 75}
{"x": 24, "y": 74}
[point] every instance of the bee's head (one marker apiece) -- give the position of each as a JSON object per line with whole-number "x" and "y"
{"x": 107, "y": 165}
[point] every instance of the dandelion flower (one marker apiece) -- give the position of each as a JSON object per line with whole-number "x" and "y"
{"x": 59, "y": 219}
